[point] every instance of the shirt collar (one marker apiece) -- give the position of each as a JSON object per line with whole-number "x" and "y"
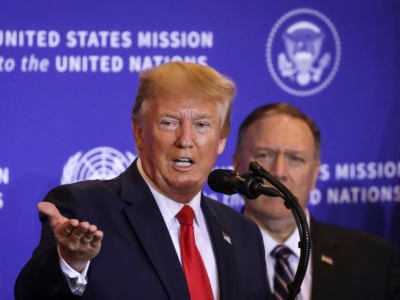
{"x": 292, "y": 241}
{"x": 169, "y": 207}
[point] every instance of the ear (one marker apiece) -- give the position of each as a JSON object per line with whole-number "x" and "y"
{"x": 138, "y": 134}
{"x": 236, "y": 164}
{"x": 315, "y": 173}
{"x": 221, "y": 145}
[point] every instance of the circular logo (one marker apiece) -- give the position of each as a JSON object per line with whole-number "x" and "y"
{"x": 98, "y": 163}
{"x": 303, "y": 52}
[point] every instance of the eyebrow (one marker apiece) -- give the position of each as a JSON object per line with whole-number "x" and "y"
{"x": 273, "y": 149}
{"x": 176, "y": 116}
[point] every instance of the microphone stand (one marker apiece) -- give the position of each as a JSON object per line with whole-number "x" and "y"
{"x": 291, "y": 203}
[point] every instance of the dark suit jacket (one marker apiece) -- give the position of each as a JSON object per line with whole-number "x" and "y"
{"x": 352, "y": 265}
{"x": 137, "y": 259}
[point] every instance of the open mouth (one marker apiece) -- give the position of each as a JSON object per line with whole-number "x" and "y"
{"x": 183, "y": 162}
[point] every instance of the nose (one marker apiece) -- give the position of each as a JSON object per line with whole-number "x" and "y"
{"x": 278, "y": 167}
{"x": 184, "y": 138}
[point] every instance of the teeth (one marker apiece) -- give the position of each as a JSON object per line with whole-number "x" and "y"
{"x": 183, "y": 162}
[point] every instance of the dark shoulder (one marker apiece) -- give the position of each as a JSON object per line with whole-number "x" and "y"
{"x": 351, "y": 237}
{"x": 86, "y": 187}
{"x": 75, "y": 199}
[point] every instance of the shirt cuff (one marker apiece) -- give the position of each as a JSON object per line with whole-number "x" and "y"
{"x": 76, "y": 281}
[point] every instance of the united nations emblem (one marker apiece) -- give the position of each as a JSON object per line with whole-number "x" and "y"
{"x": 303, "y": 52}
{"x": 98, "y": 163}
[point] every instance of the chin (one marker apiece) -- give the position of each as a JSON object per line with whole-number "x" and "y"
{"x": 278, "y": 212}
{"x": 185, "y": 184}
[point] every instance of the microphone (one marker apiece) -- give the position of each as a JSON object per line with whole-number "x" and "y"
{"x": 249, "y": 185}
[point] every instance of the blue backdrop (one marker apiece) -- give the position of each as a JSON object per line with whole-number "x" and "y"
{"x": 69, "y": 72}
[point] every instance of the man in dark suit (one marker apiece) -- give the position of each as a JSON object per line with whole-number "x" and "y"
{"x": 345, "y": 264}
{"x": 120, "y": 238}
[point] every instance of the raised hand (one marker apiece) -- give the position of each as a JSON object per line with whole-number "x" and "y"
{"x": 78, "y": 242}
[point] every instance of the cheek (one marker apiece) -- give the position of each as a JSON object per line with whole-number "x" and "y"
{"x": 304, "y": 182}
{"x": 208, "y": 142}
{"x": 145, "y": 139}
{"x": 148, "y": 140}
{"x": 244, "y": 157}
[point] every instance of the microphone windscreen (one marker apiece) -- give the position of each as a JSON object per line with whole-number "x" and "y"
{"x": 222, "y": 181}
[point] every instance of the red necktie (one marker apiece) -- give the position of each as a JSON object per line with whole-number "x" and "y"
{"x": 193, "y": 266}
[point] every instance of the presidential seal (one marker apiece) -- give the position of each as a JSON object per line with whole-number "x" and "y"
{"x": 303, "y": 52}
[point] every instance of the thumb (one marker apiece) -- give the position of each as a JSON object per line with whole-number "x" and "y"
{"x": 51, "y": 211}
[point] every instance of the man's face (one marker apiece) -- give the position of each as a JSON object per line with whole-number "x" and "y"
{"x": 284, "y": 146}
{"x": 178, "y": 140}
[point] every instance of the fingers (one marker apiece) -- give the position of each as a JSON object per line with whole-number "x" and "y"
{"x": 78, "y": 242}
{"x": 52, "y": 212}
{"x": 79, "y": 231}
{"x": 61, "y": 226}
{"x": 97, "y": 238}
{"x": 84, "y": 232}
{"x": 65, "y": 229}
{"x": 93, "y": 239}
{"x": 79, "y": 235}
{"x": 47, "y": 208}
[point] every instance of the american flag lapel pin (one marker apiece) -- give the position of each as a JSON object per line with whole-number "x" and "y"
{"x": 227, "y": 238}
{"x": 326, "y": 259}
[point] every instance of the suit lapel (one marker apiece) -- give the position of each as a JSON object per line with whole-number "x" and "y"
{"x": 323, "y": 262}
{"x": 223, "y": 248}
{"x": 147, "y": 222}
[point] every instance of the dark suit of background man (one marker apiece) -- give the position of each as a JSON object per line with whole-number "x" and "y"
{"x": 118, "y": 239}
{"x": 345, "y": 264}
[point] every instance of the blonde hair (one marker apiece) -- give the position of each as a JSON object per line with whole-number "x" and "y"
{"x": 183, "y": 79}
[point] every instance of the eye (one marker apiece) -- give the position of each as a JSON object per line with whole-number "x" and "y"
{"x": 202, "y": 126}
{"x": 169, "y": 124}
{"x": 265, "y": 157}
{"x": 296, "y": 160}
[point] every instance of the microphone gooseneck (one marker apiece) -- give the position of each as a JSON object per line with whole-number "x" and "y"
{"x": 291, "y": 202}
{"x": 250, "y": 185}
